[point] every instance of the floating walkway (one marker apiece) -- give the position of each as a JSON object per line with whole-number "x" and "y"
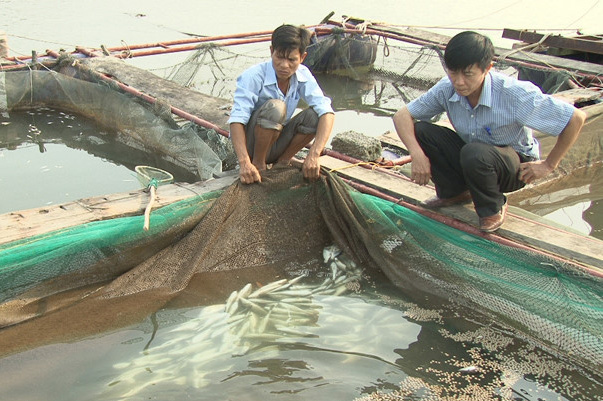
{"x": 519, "y": 230}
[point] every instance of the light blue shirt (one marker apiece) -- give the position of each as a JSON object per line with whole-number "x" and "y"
{"x": 258, "y": 84}
{"x": 507, "y": 112}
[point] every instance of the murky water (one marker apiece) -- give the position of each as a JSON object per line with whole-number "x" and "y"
{"x": 55, "y": 158}
{"x": 336, "y": 341}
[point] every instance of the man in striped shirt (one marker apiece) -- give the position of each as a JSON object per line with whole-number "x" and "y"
{"x": 491, "y": 150}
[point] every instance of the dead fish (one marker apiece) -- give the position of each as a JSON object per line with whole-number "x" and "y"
{"x": 470, "y": 370}
{"x": 330, "y": 252}
{"x": 268, "y": 288}
{"x": 296, "y": 279}
{"x": 231, "y": 304}
{"x": 254, "y": 307}
{"x": 333, "y": 270}
{"x": 245, "y": 291}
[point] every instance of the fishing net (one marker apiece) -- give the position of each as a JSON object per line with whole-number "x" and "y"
{"x": 85, "y": 279}
{"x": 280, "y": 227}
{"x": 141, "y": 127}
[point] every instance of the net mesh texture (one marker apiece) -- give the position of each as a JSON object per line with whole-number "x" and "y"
{"x": 72, "y": 280}
{"x": 284, "y": 222}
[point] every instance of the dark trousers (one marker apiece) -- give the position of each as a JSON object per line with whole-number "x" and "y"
{"x": 487, "y": 171}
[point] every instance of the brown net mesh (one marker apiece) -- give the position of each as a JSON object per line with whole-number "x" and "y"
{"x": 256, "y": 233}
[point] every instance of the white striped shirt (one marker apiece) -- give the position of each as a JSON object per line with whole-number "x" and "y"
{"x": 507, "y": 112}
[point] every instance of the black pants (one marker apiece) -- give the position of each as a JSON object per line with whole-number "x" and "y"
{"x": 487, "y": 171}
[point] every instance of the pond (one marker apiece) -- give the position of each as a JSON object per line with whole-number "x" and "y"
{"x": 326, "y": 334}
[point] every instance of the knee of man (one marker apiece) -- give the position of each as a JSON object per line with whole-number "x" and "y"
{"x": 274, "y": 110}
{"x": 473, "y": 154}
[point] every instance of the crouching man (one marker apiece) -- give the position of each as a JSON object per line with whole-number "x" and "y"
{"x": 491, "y": 150}
{"x": 262, "y": 127}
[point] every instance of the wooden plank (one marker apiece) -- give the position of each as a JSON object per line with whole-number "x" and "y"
{"x": 565, "y": 244}
{"x": 586, "y": 44}
{"x": 396, "y": 186}
{"x": 413, "y": 35}
{"x": 26, "y": 223}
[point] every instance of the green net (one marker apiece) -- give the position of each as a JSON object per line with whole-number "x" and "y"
{"x": 282, "y": 225}
{"x": 549, "y": 300}
{"x": 90, "y": 253}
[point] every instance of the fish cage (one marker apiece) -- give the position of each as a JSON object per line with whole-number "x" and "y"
{"x": 279, "y": 268}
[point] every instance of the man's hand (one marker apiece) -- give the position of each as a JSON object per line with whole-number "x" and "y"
{"x": 420, "y": 169}
{"x": 532, "y": 171}
{"x": 311, "y": 168}
{"x": 249, "y": 173}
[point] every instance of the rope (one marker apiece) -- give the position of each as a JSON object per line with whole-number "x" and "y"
{"x": 127, "y": 53}
{"x": 374, "y": 165}
{"x": 153, "y": 183}
{"x": 524, "y": 48}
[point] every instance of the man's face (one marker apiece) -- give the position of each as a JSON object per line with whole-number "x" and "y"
{"x": 286, "y": 63}
{"x": 469, "y": 81}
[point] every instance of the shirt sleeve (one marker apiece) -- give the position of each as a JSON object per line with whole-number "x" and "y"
{"x": 541, "y": 112}
{"x": 249, "y": 86}
{"x": 431, "y": 103}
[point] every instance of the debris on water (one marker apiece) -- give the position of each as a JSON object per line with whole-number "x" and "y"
{"x": 470, "y": 370}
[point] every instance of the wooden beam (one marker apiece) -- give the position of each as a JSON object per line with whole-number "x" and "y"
{"x": 520, "y": 226}
{"x": 588, "y": 44}
{"x": 26, "y": 223}
{"x": 545, "y": 60}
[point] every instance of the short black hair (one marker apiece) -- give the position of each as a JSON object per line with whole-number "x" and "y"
{"x": 468, "y": 48}
{"x": 287, "y": 38}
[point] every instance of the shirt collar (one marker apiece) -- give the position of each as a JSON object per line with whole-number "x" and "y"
{"x": 485, "y": 98}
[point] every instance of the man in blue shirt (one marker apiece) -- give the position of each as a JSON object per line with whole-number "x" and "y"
{"x": 491, "y": 149}
{"x": 262, "y": 127}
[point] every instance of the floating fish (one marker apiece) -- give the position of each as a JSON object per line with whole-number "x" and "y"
{"x": 330, "y": 253}
{"x": 248, "y": 319}
{"x": 470, "y": 370}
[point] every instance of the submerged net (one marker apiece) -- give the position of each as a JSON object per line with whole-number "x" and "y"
{"x": 137, "y": 125}
{"x": 283, "y": 224}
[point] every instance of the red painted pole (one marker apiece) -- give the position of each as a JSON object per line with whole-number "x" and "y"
{"x": 152, "y": 100}
{"x": 189, "y": 41}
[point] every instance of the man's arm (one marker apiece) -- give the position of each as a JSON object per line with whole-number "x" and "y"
{"x": 532, "y": 171}
{"x": 405, "y": 127}
{"x": 311, "y": 166}
{"x": 248, "y": 173}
